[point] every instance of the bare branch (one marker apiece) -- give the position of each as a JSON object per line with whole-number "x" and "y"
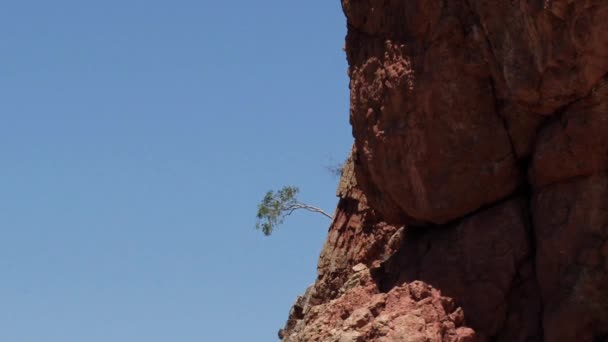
{"x": 298, "y": 205}
{"x": 314, "y": 209}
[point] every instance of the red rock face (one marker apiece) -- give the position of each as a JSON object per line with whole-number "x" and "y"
{"x": 484, "y": 261}
{"x": 571, "y": 221}
{"x": 431, "y": 143}
{"x": 545, "y": 54}
{"x": 475, "y": 203}
{"x": 410, "y": 312}
{"x": 576, "y": 143}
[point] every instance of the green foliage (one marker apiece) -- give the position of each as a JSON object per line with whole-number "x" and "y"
{"x": 274, "y": 207}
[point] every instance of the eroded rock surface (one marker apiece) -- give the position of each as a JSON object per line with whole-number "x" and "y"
{"x": 413, "y": 312}
{"x": 571, "y": 223}
{"x": 474, "y": 206}
{"x": 484, "y": 261}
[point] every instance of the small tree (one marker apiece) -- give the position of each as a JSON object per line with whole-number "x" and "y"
{"x": 275, "y": 206}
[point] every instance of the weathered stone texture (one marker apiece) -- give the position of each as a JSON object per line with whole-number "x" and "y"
{"x": 571, "y": 221}
{"x": 474, "y": 206}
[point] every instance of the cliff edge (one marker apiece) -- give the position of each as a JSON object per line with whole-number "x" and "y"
{"x": 474, "y": 205}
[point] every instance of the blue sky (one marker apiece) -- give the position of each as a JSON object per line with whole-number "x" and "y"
{"x": 137, "y": 138}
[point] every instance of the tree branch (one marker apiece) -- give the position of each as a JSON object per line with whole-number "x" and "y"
{"x": 295, "y": 206}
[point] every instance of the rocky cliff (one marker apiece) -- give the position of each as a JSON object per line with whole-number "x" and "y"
{"x": 474, "y": 206}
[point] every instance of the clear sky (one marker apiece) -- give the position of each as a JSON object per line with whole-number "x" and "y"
{"x": 136, "y": 138}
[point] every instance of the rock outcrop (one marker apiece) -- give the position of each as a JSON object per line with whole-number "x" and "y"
{"x": 474, "y": 206}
